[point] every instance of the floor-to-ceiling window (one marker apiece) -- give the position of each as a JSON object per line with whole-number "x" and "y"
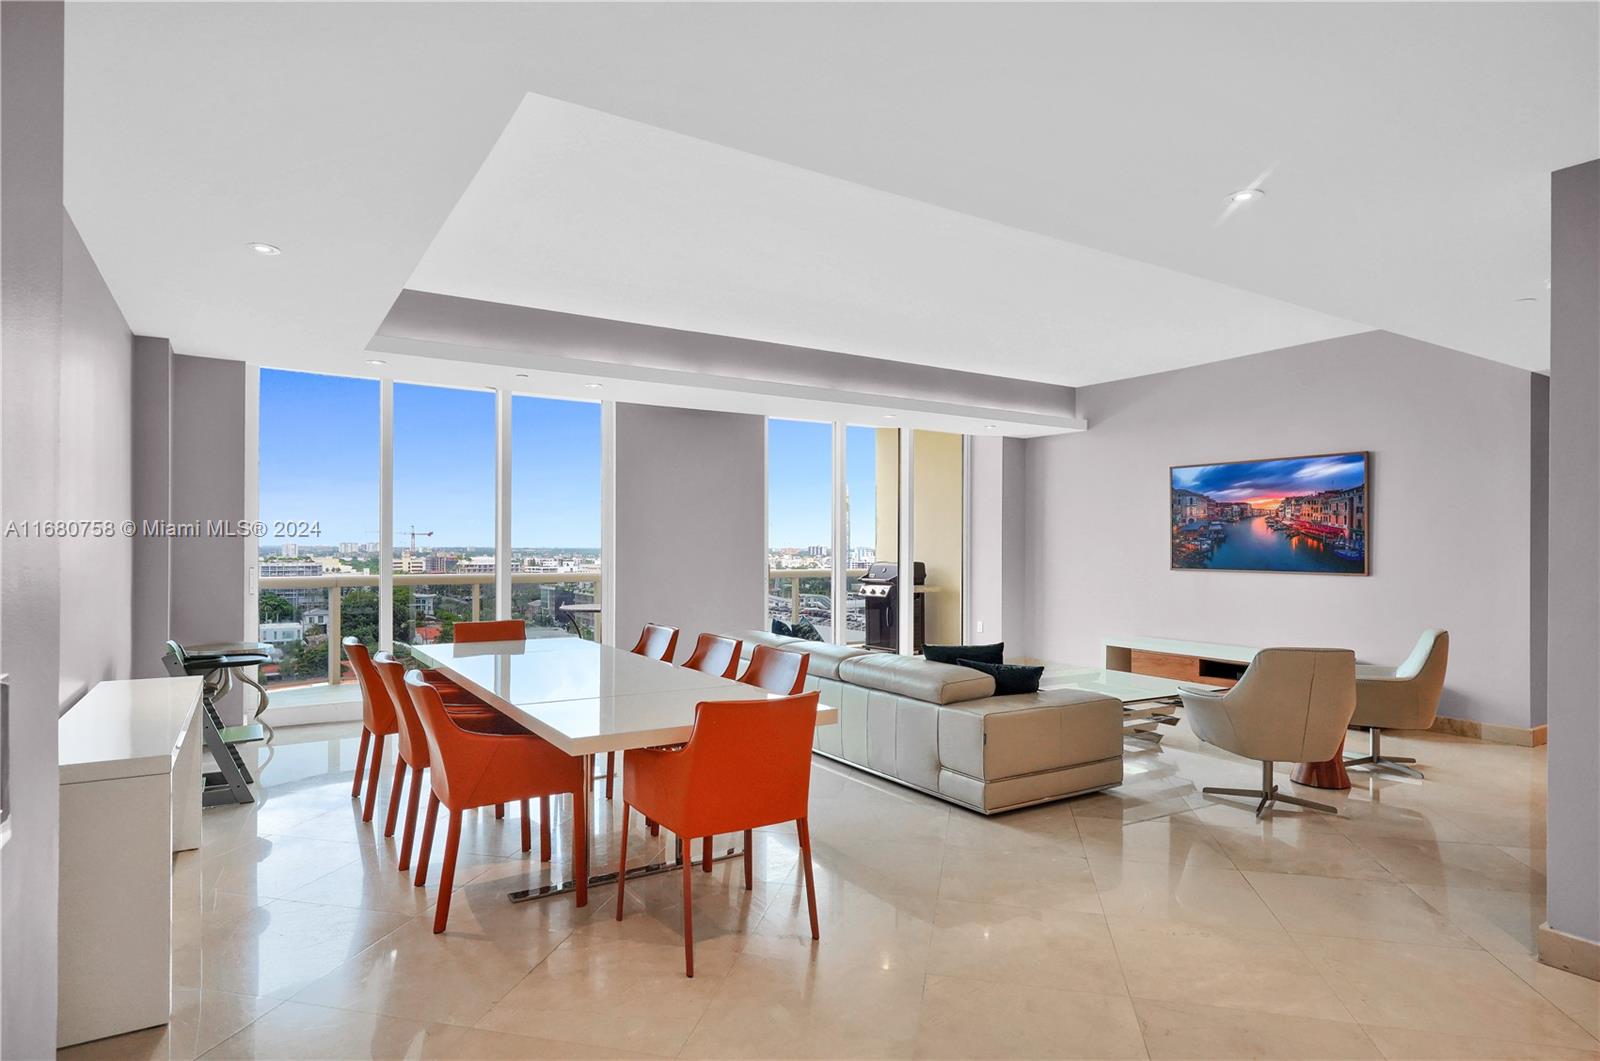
{"x": 800, "y": 527}
{"x": 555, "y": 515}
{"x": 318, "y": 479}
{"x": 444, "y": 510}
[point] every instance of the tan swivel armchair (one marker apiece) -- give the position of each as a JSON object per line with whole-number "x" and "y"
{"x": 1292, "y": 705}
{"x": 1403, "y": 697}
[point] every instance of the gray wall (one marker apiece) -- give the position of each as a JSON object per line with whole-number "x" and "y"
{"x": 152, "y": 500}
{"x": 213, "y": 419}
{"x": 30, "y": 583}
{"x": 1574, "y": 757}
{"x": 96, "y": 474}
{"x": 1450, "y": 441}
{"x": 690, "y": 522}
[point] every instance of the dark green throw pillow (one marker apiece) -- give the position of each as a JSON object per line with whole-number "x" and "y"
{"x": 805, "y": 630}
{"x": 781, "y": 628}
{"x": 995, "y": 653}
{"x": 1008, "y": 678}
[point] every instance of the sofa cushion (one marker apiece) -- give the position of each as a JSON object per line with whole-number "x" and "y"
{"x": 935, "y": 683}
{"x": 995, "y": 653}
{"x": 1007, "y": 736}
{"x": 1009, "y": 678}
{"x": 825, "y": 658}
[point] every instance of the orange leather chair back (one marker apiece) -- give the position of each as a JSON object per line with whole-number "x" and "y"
{"x": 777, "y": 670}
{"x": 413, "y": 742}
{"x": 715, "y": 654}
{"x": 454, "y": 766}
{"x": 491, "y": 630}
{"x": 657, "y": 642}
{"x": 377, "y": 710}
{"x": 748, "y": 762}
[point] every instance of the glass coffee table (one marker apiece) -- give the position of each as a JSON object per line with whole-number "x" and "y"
{"x": 1147, "y": 701}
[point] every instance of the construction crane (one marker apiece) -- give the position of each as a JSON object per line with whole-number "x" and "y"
{"x": 415, "y": 534}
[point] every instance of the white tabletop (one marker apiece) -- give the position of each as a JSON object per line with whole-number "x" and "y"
{"x": 1129, "y": 688}
{"x": 587, "y": 698}
{"x": 127, "y": 729}
{"x": 1199, "y": 649}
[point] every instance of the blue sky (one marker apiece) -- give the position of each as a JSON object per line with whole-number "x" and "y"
{"x": 1272, "y": 479}
{"x": 319, "y": 461}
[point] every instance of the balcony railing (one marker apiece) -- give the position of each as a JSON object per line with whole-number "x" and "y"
{"x": 474, "y": 582}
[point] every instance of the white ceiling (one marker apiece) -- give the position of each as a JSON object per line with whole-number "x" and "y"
{"x": 1407, "y": 150}
{"x": 579, "y": 211}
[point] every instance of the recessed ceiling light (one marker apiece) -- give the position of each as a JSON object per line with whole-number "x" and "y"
{"x": 265, "y": 249}
{"x": 890, "y": 416}
{"x": 376, "y": 361}
{"x": 594, "y": 386}
{"x": 1525, "y": 298}
{"x": 522, "y": 375}
{"x": 991, "y": 427}
{"x": 1246, "y": 195}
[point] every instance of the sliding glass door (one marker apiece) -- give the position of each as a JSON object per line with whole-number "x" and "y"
{"x": 555, "y": 516}
{"x": 800, "y": 528}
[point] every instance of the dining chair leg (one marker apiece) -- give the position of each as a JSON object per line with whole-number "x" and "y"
{"x": 395, "y": 792}
{"x": 705, "y": 854}
{"x": 811, "y": 885}
{"x": 527, "y": 828}
{"x": 427, "y": 840}
{"x": 499, "y": 811}
{"x": 654, "y": 826}
{"x": 410, "y": 832}
{"x": 688, "y": 921}
{"x": 611, "y": 771}
{"x": 447, "y": 873}
{"x": 361, "y": 763}
{"x": 622, "y": 860}
{"x": 372, "y": 778}
{"x": 580, "y": 843}
{"x": 544, "y": 828}
{"x": 749, "y": 860}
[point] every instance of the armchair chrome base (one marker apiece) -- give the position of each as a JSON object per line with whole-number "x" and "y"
{"x": 1269, "y": 794}
{"x": 1375, "y": 760}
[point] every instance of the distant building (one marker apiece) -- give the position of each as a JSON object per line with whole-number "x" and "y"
{"x": 279, "y": 634}
{"x": 290, "y": 550}
{"x": 307, "y": 568}
{"x": 476, "y": 565}
{"x": 315, "y": 616}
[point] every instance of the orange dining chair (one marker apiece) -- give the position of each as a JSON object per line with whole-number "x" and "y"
{"x": 380, "y": 719}
{"x": 468, "y": 769}
{"x": 655, "y": 642}
{"x": 715, "y": 654}
{"x": 747, "y": 764}
{"x": 484, "y": 630}
{"x": 414, "y": 755}
{"x": 777, "y": 670}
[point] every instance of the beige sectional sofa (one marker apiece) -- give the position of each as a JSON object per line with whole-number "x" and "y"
{"x": 940, "y": 728}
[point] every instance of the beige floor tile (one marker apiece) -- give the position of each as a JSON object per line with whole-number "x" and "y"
{"x": 271, "y": 867}
{"x": 1528, "y": 856}
{"x": 1316, "y": 854}
{"x": 200, "y": 1020}
{"x": 1172, "y": 961}
{"x": 1121, "y": 806}
{"x": 1439, "y": 989}
{"x": 1358, "y": 909}
{"x": 1403, "y": 1044}
{"x": 1034, "y": 878}
{"x": 1177, "y": 1030}
{"x": 276, "y": 949}
{"x": 857, "y": 926}
{"x": 1502, "y": 922}
{"x": 771, "y": 1008}
{"x": 1049, "y": 828}
{"x": 307, "y": 1032}
{"x": 973, "y": 1018}
{"x": 1454, "y": 865}
{"x": 373, "y": 882}
{"x": 1160, "y": 840}
{"x": 617, "y": 993}
{"x": 1221, "y": 898}
{"x": 443, "y": 978}
{"x": 1011, "y": 945}
{"x": 1576, "y": 996}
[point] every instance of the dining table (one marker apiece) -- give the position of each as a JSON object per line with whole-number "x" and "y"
{"x": 590, "y": 699}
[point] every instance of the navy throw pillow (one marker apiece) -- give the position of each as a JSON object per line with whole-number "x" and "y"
{"x": 1008, "y": 678}
{"x": 781, "y": 628}
{"x": 995, "y": 653}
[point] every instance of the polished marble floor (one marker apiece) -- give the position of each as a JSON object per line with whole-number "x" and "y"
{"x": 1147, "y": 921}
